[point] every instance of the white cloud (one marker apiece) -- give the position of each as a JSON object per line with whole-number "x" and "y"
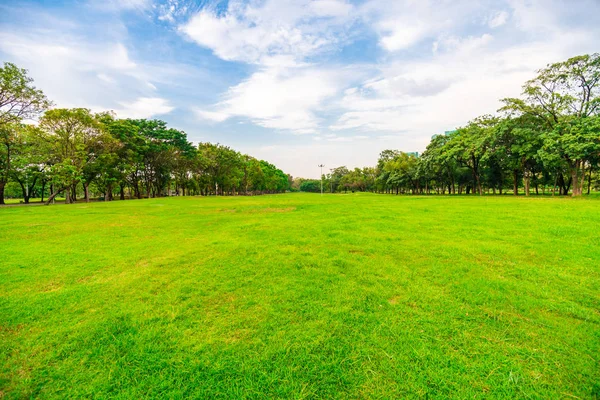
{"x": 498, "y": 19}
{"x": 214, "y": 116}
{"x": 330, "y": 8}
{"x": 144, "y": 107}
{"x": 403, "y": 24}
{"x": 401, "y": 35}
{"x": 75, "y": 71}
{"x": 471, "y": 77}
{"x": 254, "y": 32}
{"x": 105, "y": 78}
{"x": 421, "y": 67}
{"x": 280, "y": 98}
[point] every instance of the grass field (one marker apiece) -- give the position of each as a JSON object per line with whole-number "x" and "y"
{"x": 302, "y": 296}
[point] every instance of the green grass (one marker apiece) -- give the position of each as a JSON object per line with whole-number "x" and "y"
{"x": 302, "y": 296}
{"x": 32, "y": 200}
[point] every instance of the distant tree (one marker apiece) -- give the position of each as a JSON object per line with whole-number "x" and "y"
{"x": 311, "y": 185}
{"x": 336, "y": 178}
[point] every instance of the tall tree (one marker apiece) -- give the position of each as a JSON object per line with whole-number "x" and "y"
{"x": 562, "y": 97}
{"x": 19, "y": 100}
{"x": 69, "y": 134}
{"x": 469, "y": 145}
{"x": 8, "y": 145}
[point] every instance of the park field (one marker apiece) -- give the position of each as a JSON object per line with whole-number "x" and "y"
{"x": 302, "y": 296}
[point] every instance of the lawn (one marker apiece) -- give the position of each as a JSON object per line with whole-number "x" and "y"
{"x": 302, "y": 296}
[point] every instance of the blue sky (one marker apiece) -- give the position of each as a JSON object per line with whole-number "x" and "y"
{"x": 295, "y": 82}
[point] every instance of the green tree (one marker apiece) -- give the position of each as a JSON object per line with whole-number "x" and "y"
{"x": 29, "y": 156}
{"x": 19, "y": 99}
{"x": 562, "y": 97}
{"x": 470, "y": 144}
{"x": 68, "y": 134}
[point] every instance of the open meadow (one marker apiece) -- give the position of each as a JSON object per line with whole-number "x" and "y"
{"x": 302, "y": 296}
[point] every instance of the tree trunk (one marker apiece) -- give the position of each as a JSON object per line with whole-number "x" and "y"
{"x": 575, "y": 179}
{"x": 54, "y": 194}
{"x": 516, "y": 182}
{"x": 589, "y": 180}
{"x": 108, "y": 193}
{"x": 566, "y": 185}
{"x": 122, "y": 192}
{"x": 25, "y": 192}
{"x": 2, "y": 186}
{"x": 582, "y": 177}
{"x": 86, "y": 191}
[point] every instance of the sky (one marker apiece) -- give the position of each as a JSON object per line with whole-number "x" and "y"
{"x": 295, "y": 82}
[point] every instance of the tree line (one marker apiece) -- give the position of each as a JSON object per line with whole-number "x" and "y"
{"x": 549, "y": 138}
{"x": 80, "y": 154}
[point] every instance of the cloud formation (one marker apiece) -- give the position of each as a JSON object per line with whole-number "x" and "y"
{"x": 356, "y": 76}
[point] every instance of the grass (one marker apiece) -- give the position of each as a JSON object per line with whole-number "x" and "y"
{"x": 302, "y": 296}
{"x": 32, "y": 200}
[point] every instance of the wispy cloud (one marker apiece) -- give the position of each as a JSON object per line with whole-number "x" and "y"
{"x": 258, "y": 73}
{"x": 255, "y": 32}
{"x": 144, "y": 107}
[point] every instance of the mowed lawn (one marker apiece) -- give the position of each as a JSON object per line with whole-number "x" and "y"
{"x": 302, "y": 296}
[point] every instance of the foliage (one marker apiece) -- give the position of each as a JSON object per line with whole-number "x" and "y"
{"x": 19, "y": 99}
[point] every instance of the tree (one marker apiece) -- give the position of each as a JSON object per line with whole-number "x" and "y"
{"x": 69, "y": 134}
{"x": 469, "y": 145}
{"x": 562, "y": 98}
{"x": 28, "y": 164}
{"x": 311, "y": 185}
{"x": 336, "y": 178}
{"x": 8, "y": 142}
{"x": 440, "y": 164}
{"x": 128, "y": 147}
{"x": 19, "y": 99}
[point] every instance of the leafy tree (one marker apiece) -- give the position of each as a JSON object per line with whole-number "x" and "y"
{"x": 470, "y": 144}
{"x": 311, "y": 185}
{"x": 28, "y": 159}
{"x": 69, "y": 133}
{"x": 562, "y": 98}
{"x": 8, "y": 145}
{"x": 19, "y": 99}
